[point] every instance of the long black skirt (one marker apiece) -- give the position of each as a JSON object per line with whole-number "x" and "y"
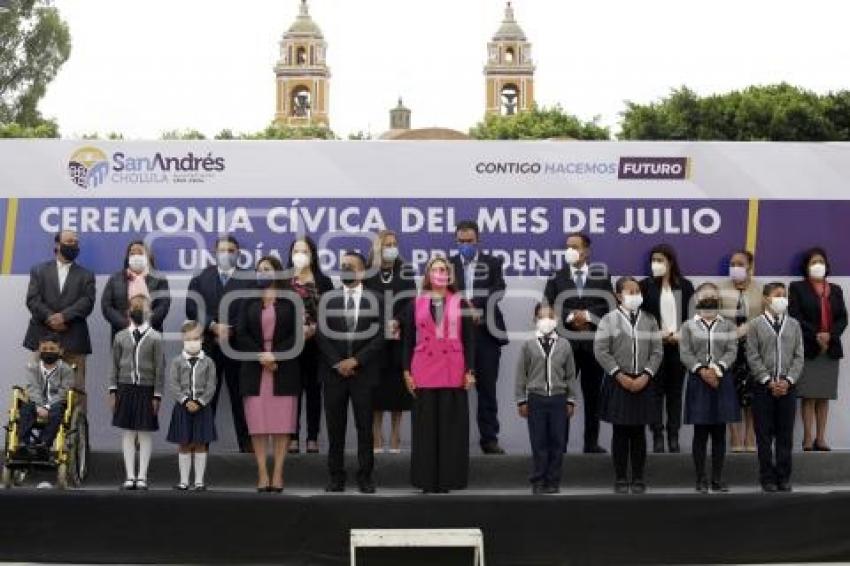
{"x": 134, "y": 408}
{"x": 439, "y": 457}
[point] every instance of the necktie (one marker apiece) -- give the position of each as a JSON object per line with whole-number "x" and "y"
{"x": 350, "y": 314}
{"x": 579, "y": 277}
{"x": 633, "y": 316}
{"x": 193, "y": 360}
{"x": 224, "y": 279}
{"x": 777, "y": 325}
{"x": 740, "y": 310}
{"x": 137, "y": 335}
{"x": 546, "y": 342}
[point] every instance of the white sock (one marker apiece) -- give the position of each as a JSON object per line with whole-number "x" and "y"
{"x": 200, "y": 467}
{"x": 128, "y": 447}
{"x": 184, "y": 462}
{"x": 145, "y": 448}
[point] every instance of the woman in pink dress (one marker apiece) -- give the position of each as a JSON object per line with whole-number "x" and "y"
{"x": 271, "y": 382}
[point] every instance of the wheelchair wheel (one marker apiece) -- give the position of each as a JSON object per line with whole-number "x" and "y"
{"x": 78, "y": 450}
{"x": 62, "y": 476}
{"x": 7, "y": 478}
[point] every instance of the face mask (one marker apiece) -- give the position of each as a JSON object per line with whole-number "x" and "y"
{"x": 817, "y": 270}
{"x": 138, "y": 263}
{"x": 389, "y": 254}
{"x": 192, "y": 347}
{"x": 439, "y": 279}
{"x": 466, "y": 251}
{"x": 572, "y": 256}
{"x": 226, "y": 260}
{"x": 659, "y": 269}
{"x": 779, "y": 305}
{"x": 265, "y": 279}
{"x": 632, "y": 302}
{"x": 69, "y": 252}
{"x": 348, "y": 276}
{"x": 49, "y": 358}
{"x": 546, "y": 325}
{"x": 737, "y": 273}
{"x": 708, "y": 304}
{"x": 137, "y": 316}
{"x": 300, "y": 260}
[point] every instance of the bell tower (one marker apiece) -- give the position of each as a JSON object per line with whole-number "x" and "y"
{"x": 509, "y": 72}
{"x": 303, "y": 76}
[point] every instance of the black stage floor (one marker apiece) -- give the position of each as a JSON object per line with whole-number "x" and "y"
{"x": 586, "y": 524}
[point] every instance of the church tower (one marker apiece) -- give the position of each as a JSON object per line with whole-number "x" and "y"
{"x": 509, "y": 73}
{"x": 303, "y": 76}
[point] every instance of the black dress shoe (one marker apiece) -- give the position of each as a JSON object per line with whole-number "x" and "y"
{"x": 784, "y": 486}
{"x": 658, "y": 443}
{"x": 366, "y": 486}
{"x": 550, "y": 490}
{"x": 769, "y": 487}
{"x": 673, "y": 443}
{"x": 492, "y": 448}
{"x": 702, "y": 485}
{"x": 638, "y": 487}
{"x": 537, "y": 488}
{"x": 719, "y": 486}
{"x": 621, "y": 487}
{"x": 594, "y": 450}
{"x": 335, "y": 487}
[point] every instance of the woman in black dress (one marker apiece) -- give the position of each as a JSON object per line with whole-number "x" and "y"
{"x": 308, "y": 281}
{"x": 393, "y": 280}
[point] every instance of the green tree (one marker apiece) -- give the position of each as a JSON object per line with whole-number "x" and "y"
{"x": 34, "y": 44}
{"x": 46, "y": 129}
{"x": 538, "y": 123}
{"x": 780, "y": 112}
{"x": 187, "y": 134}
{"x": 360, "y": 135}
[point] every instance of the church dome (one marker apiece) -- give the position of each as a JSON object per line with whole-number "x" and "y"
{"x": 304, "y": 24}
{"x": 510, "y": 29}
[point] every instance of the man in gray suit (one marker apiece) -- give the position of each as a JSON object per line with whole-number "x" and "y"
{"x": 60, "y": 297}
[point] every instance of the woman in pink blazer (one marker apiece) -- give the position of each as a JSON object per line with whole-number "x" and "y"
{"x": 438, "y": 359}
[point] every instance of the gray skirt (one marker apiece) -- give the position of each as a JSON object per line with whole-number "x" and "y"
{"x": 820, "y": 379}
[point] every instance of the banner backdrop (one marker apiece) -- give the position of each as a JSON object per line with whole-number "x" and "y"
{"x": 706, "y": 199}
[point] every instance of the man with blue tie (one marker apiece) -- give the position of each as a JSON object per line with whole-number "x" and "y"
{"x": 479, "y": 278}
{"x": 209, "y": 288}
{"x": 582, "y": 294}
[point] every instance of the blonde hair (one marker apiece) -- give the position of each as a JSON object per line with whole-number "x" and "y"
{"x": 374, "y": 259}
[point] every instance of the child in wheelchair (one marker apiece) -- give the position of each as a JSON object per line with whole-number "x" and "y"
{"x": 48, "y": 382}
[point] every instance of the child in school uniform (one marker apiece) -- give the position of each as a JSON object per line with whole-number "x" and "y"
{"x": 628, "y": 347}
{"x": 135, "y": 389}
{"x": 776, "y": 357}
{"x": 192, "y": 381}
{"x": 708, "y": 346}
{"x": 544, "y": 372}
{"x": 48, "y": 383}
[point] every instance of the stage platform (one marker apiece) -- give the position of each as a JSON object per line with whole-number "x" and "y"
{"x": 585, "y": 524}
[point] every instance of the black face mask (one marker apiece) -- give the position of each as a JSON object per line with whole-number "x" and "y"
{"x": 264, "y": 282}
{"x": 69, "y": 252}
{"x": 348, "y": 276}
{"x": 137, "y": 316}
{"x": 708, "y": 304}
{"x": 49, "y": 358}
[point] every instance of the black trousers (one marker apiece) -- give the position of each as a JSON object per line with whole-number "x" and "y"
{"x": 590, "y": 373}
{"x": 547, "y": 418}
{"x": 628, "y": 443}
{"x": 699, "y": 449}
{"x": 227, "y": 372}
{"x": 488, "y": 353}
{"x": 29, "y": 416}
{"x": 439, "y": 458}
{"x": 338, "y": 394}
{"x": 311, "y": 392}
{"x": 669, "y": 384}
{"x": 774, "y": 425}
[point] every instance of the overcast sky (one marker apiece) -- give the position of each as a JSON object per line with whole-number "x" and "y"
{"x": 144, "y": 66}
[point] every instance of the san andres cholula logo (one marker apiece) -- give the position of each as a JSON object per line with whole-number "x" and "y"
{"x": 88, "y": 167}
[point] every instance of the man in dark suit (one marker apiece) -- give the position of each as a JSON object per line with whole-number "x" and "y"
{"x": 479, "y": 278}
{"x": 581, "y": 292}
{"x": 350, "y": 340}
{"x": 204, "y": 303}
{"x": 60, "y": 297}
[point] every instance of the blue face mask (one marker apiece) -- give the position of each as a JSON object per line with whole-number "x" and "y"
{"x": 467, "y": 251}
{"x": 265, "y": 279}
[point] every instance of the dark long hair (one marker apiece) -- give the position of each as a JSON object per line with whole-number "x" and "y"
{"x": 148, "y": 252}
{"x": 314, "y": 257}
{"x": 670, "y": 253}
{"x": 278, "y": 282}
{"x": 807, "y": 257}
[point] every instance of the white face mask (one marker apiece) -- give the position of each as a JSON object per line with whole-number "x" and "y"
{"x": 226, "y": 260}
{"x": 546, "y": 325}
{"x": 817, "y": 270}
{"x": 632, "y": 302}
{"x": 659, "y": 269}
{"x": 572, "y": 256}
{"x": 138, "y": 262}
{"x": 300, "y": 260}
{"x": 737, "y": 273}
{"x": 389, "y": 254}
{"x": 779, "y": 305}
{"x": 192, "y": 347}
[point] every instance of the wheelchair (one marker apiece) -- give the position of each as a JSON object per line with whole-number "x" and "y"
{"x": 68, "y": 456}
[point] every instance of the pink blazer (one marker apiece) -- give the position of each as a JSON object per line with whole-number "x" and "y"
{"x": 438, "y": 360}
